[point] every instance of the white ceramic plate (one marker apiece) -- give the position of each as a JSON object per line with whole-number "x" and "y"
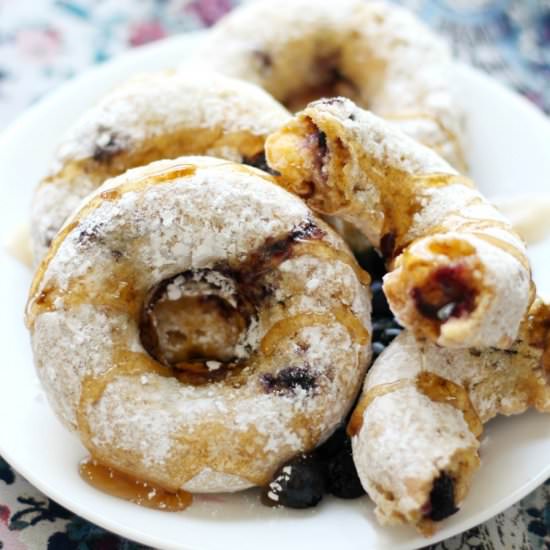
{"x": 508, "y": 142}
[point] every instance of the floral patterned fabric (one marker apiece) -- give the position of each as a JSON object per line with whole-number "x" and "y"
{"x": 45, "y": 42}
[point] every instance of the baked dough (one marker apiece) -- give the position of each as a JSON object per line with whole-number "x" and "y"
{"x": 458, "y": 273}
{"x": 151, "y": 117}
{"x": 375, "y": 53}
{"x": 417, "y": 424}
{"x": 119, "y": 307}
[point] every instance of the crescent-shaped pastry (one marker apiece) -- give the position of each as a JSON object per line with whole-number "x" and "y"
{"x": 416, "y": 429}
{"x": 458, "y": 273}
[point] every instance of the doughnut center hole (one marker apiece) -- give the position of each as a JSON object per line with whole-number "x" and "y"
{"x": 325, "y": 79}
{"x": 190, "y": 324}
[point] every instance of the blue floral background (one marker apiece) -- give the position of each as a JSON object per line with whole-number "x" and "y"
{"x": 45, "y": 42}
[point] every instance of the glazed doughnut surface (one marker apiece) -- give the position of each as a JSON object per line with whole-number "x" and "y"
{"x": 223, "y": 415}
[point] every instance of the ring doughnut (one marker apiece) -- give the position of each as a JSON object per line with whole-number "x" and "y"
{"x": 375, "y": 53}
{"x": 287, "y": 310}
{"x": 152, "y": 117}
{"x": 423, "y": 406}
{"x": 459, "y": 274}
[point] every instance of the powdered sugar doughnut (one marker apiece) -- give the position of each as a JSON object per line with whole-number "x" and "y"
{"x": 416, "y": 427}
{"x": 375, "y": 53}
{"x": 458, "y": 273}
{"x": 271, "y": 339}
{"x": 152, "y": 117}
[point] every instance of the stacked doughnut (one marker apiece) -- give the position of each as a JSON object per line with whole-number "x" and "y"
{"x": 200, "y": 326}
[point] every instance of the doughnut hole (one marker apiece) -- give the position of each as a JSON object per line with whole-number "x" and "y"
{"x": 331, "y": 82}
{"x": 310, "y": 161}
{"x": 190, "y": 324}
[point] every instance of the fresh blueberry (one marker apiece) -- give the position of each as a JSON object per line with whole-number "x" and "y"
{"x": 385, "y": 330}
{"x": 377, "y": 349}
{"x": 299, "y": 483}
{"x": 338, "y": 441}
{"x": 342, "y": 478}
{"x": 371, "y": 262}
{"x": 380, "y": 307}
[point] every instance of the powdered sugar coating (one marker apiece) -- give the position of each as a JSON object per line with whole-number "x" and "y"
{"x": 498, "y": 381}
{"x": 150, "y": 117}
{"x": 405, "y": 442}
{"x": 383, "y": 58}
{"x": 407, "y": 439}
{"x": 147, "y": 226}
{"x": 397, "y": 191}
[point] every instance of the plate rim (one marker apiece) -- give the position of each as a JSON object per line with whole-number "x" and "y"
{"x": 23, "y": 122}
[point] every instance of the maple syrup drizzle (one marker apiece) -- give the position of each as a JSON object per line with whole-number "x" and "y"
{"x": 189, "y": 141}
{"x": 124, "y": 363}
{"x": 469, "y": 225}
{"x": 400, "y": 193}
{"x": 285, "y": 328}
{"x": 323, "y": 251}
{"x": 160, "y": 177}
{"x": 356, "y": 421}
{"x": 442, "y": 179}
{"x": 510, "y": 249}
{"x": 121, "y": 485}
{"x": 433, "y": 386}
{"x": 442, "y": 390}
{"x": 117, "y": 293}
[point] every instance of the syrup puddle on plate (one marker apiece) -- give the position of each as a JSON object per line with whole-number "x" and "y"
{"x": 124, "y": 486}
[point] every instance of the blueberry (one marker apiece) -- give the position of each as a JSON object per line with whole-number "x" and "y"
{"x": 299, "y": 483}
{"x": 389, "y": 334}
{"x": 380, "y": 307}
{"x": 385, "y": 330}
{"x": 338, "y": 441}
{"x": 377, "y": 349}
{"x": 442, "y": 498}
{"x": 342, "y": 478}
{"x": 371, "y": 262}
